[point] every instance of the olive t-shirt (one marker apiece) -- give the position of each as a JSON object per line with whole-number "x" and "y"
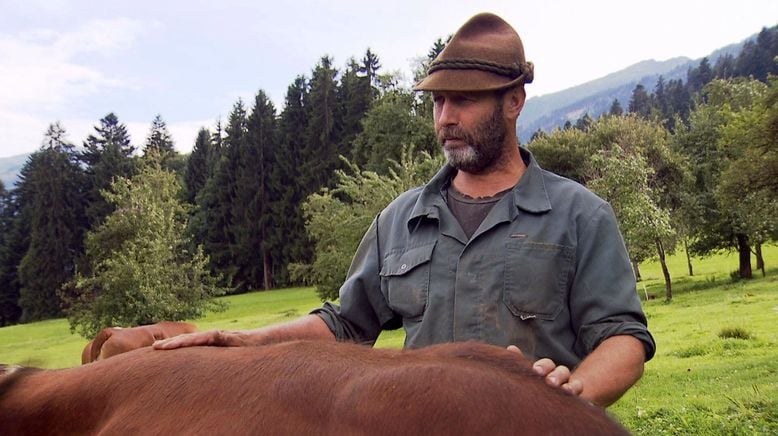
{"x": 469, "y": 211}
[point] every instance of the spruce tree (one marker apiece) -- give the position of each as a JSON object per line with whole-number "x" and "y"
{"x": 616, "y": 108}
{"x": 52, "y": 188}
{"x": 160, "y": 143}
{"x": 370, "y": 66}
{"x": 107, "y": 154}
{"x": 289, "y": 171}
{"x": 355, "y": 95}
{"x": 255, "y": 188}
{"x": 14, "y": 231}
{"x": 322, "y": 129}
{"x": 197, "y": 166}
{"x": 640, "y": 102}
{"x": 698, "y": 77}
{"x": 218, "y": 209}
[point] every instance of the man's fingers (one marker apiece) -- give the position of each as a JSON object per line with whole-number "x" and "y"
{"x": 515, "y": 349}
{"x": 543, "y": 367}
{"x": 188, "y": 340}
{"x": 574, "y": 386}
{"x": 558, "y": 376}
{"x": 554, "y": 375}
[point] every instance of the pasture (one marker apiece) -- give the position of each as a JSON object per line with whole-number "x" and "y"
{"x": 715, "y": 371}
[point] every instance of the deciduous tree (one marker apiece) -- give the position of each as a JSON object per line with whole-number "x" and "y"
{"x": 141, "y": 268}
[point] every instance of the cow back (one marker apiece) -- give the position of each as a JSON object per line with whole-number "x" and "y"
{"x": 301, "y": 388}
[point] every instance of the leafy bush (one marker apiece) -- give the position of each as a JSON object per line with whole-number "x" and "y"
{"x": 140, "y": 270}
{"x": 336, "y": 219}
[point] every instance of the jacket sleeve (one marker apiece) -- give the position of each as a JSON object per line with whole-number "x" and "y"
{"x": 363, "y": 311}
{"x": 603, "y": 299}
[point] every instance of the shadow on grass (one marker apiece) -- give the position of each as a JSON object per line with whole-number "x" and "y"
{"x": 688, "y": 284}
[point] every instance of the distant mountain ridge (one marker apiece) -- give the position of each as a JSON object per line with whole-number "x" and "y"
{"x": 10, "y": 168}
{"x": 549, "y": 111}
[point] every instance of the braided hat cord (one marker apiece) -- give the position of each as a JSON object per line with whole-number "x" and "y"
{"x": 513, "y": 71}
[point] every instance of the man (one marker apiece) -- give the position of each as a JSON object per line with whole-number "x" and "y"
{"x": 493, "y": 248}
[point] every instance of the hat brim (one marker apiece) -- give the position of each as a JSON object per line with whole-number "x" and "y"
{"x": 466, "y": 80}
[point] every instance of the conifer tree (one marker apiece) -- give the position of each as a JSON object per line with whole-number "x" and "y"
{"x": 218, "y": 208}
{"x": 698, "y": 77}
{"x": 197, "y": 166}
{"x": 107, "y": 154}
{"x": 355, "y": 94}
{"x": 160, "y": 143}
{"x": 616, "y": 108}
{"x": 256, "y": 188}
{"x": 640, "y": 102}
{"x": 321, "y": 135}
{"x": 370, "y": 66}
{"x": 289, "y": 158}
{"x": 14, "y": 240}
{"x": 52, "y": 188}
{"x": 424, "y": 103}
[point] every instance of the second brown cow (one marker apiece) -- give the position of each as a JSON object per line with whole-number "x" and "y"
{"x": 116, "y": 340}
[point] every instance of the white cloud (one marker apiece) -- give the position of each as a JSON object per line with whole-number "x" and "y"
{"x": 37, "y": 68}
{"x": 40, "y": 72}
{"x": 19, "y": 133}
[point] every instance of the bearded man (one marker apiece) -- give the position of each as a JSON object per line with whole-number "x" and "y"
{"x": 493, "y": 248}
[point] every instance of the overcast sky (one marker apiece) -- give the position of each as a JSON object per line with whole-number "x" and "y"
{"x": 76, "y": 61}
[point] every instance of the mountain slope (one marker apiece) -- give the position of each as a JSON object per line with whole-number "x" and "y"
{"x": 10, "y": 167}
{"x": 549, "y": 111}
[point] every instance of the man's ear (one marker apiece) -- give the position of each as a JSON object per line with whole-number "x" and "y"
{"x": 514, "y": 102}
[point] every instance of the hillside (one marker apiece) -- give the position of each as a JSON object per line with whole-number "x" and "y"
{"x": 10, "y": 167}
{"x": 595, "y": 97}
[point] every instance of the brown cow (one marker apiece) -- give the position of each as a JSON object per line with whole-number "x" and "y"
{"x": 297, "y": 388}
{"x": 116, "y": 340}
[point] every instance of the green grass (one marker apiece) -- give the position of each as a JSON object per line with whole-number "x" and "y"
{"x": 716, "y": 367}
{"x": 715, "y": 371}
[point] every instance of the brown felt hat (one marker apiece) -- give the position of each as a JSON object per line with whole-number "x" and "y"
{"x": 485, "y": 54}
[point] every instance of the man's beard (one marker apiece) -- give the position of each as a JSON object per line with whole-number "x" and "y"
{"x": 483, "y": 145}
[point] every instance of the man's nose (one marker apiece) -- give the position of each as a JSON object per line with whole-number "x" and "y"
{"x": 447, "y": 114}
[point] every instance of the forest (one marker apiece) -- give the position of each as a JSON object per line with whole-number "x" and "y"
{"x": 109, "y": 235}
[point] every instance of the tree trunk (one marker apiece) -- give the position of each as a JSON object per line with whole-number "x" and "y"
{"x": 688, "y": 257}
{"x": 759, "y": 258}
{"x": 267, "y": 277}
{"x": 744, "y": 251}
{"x": 660, "y": 249}
{"x": 636, "y": 270}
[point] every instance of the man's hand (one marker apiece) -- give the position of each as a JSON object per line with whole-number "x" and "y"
{"x": 215, "y": 338}
{"x": 309, "y": 327}
{"x": 557, "y": 376}
{"x": 615, "y": 365}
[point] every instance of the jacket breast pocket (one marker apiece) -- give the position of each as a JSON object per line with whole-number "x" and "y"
{"x": 537, "y": 276}
{"x": 405, "y": 279}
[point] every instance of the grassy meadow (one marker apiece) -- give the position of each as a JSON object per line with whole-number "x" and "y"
{"x": 715, "y": 371}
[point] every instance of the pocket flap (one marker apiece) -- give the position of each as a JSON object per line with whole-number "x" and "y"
{"x": 401, "y": 262}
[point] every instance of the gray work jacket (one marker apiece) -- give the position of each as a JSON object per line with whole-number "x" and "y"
{"x": 547, "y": 270}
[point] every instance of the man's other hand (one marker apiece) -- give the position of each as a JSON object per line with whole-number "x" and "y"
{"x": 555, "y": 375}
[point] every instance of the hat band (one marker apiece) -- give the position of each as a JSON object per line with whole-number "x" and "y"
{"x": 513, "y": 72}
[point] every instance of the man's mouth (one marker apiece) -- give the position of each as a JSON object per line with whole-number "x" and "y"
{"x": 453, "y": 141}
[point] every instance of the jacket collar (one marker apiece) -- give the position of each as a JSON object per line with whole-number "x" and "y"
{"x": 529, "y": 194}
